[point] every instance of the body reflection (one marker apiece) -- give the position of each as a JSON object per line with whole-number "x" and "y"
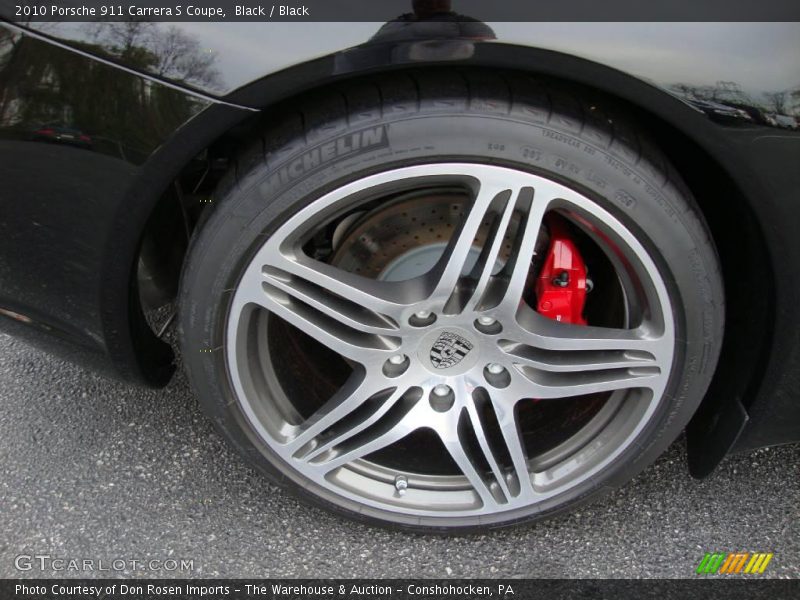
{"x": 54, "y": 96}
{"x": 727, "y": 103}
{"x": 62, "y": 134}
{"x": 431, "y": 33}
{"x": 73, "y": 131}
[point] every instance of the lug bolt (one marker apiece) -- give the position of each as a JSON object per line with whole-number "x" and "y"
{"x": 422, "y": 318}
{"x": 442, "y": 398}
{"x": 488, "y": 325}
{"x": 396, "y": 365}
{"x": 497, "y": 375}
{"x": 441, "y": 390}
{"x": 401, "y": 485}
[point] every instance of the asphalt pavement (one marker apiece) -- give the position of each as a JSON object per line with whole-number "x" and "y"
{"x": 97, "y": 470}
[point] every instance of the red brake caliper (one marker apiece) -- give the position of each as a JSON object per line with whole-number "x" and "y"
{"x": 561, "y": 285}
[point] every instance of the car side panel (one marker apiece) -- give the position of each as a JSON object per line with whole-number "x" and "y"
{"x": 69, "y": 226}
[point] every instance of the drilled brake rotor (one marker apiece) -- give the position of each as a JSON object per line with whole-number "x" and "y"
{"x": 406, "y": 238}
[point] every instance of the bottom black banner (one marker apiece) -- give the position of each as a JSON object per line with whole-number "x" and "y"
{"x": 419, "y": 589}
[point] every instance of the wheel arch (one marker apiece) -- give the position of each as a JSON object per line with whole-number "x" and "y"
{"x": 701, "y": 151}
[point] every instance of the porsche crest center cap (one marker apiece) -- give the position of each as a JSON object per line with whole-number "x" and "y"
{"x": 448, "y": 351}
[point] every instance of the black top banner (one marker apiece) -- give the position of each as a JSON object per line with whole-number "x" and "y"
{"x": 24, "y": 11}
{"x": 398, "y": 589}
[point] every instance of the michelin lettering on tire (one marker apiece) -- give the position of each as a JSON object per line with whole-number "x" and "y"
{"x": 311, "y": 161}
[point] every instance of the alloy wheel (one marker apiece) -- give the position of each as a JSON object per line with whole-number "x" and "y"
{"x": 439, "y": 339}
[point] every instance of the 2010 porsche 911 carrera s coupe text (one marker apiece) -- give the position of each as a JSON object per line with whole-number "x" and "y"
{"x": 436, "y": 273}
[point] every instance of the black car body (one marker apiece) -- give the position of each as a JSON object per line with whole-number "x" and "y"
{"x": 91, "y": 240}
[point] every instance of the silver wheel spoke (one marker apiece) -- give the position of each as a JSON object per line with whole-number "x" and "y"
{"x": 347, "y": 312}
{"x": 380, "y": 435}
{"x": 341, "y": 435}
{"x": 351, "y": 330}
{"x": 547, "y": 386}
{"x": 561, "y": 360}
{"x": 579, "y": 360}
{"x": 352, "y": 344}
{"x": 516, "y": 271}
{"x": 480, "y": 286}
{"x": 378, "y": 297}
{"x": 513, "y": 479}
{"x": 547, "y": 334}
{"x": 512, "y": 438}
{"x": 487, "y": 488}
{"x": 348, "y": 398}
{"x": 492, "y": 200}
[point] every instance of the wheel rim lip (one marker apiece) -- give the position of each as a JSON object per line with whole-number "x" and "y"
{"x": 351, "y": 194}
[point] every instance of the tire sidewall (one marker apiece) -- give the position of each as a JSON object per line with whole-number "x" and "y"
{"x": 639, "y": 195}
